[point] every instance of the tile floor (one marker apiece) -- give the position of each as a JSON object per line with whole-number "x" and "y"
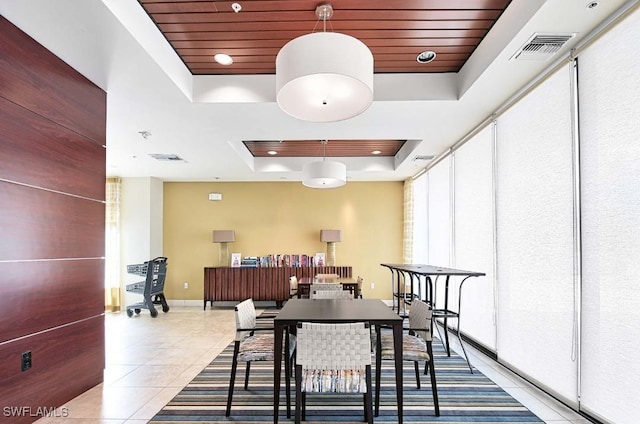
{"x": 148, "y": 361}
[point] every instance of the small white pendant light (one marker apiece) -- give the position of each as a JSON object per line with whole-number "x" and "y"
{"x": 324, "y": 173}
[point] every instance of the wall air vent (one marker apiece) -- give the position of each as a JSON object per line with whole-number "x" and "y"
{"x": 166, "y": 157}
{"x": 542, "y": 46}
{"x": 422, "y": 157}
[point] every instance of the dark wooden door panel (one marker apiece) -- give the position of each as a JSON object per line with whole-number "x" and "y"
{"x": 48, "y": 86}
{"x": 71, "y": 354}
{"x": 40, "y": 295}
{"x": 38, "y": 152}
{"x": 38, "y": 224}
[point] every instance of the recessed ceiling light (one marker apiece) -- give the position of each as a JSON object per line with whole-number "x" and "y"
{"x": 376, "y": 152}
{"x": 426, "y": 56}
{"x": 272, "y": 152}
{"x": 223, "y": 59}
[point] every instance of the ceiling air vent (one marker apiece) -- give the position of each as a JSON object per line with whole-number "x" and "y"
{"x": 166, "y": 157}
{"x": 422, "y": 157}
{"x": 542, "y": 46}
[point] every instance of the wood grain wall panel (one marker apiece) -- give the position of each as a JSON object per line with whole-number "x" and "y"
{"x": 36, "y": 79}
{"x": 39, "y": 224}
{"x": 68, "y": 162}
{"x": 66, "y": 362}
{"x": 52, "y": 182}
{"x": 32, "y": 293}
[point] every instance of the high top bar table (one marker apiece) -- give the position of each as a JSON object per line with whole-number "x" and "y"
{"x": 429, "y": 271}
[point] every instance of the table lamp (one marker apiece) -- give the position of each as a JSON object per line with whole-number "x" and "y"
{"x": 331, "y": 237}
{"x": 224, "y": 237}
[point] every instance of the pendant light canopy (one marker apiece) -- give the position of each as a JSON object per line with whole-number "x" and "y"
{"x": 324, "y": 76}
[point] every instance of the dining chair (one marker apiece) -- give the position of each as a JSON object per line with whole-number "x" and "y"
{"x": 331, "y": 294}
{"x": 255, "y": 343}
{"x": 342, "y": 365}
{"x": 327, "y": 276}
{"x": 360, "y": 282}
{"x": 293, "y": 286}
{"x": 317, "y": 290}
{"x": 416, "y": 347}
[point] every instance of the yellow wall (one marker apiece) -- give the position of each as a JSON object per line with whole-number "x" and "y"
{"x": 281, "y": 218}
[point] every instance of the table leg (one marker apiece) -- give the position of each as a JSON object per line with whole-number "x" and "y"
{"x": 397, "y": 353}
{"x": 277, "y": 363}
{"x": 446, "y": 314}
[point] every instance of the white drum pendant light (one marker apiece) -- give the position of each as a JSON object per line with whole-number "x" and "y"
{"x": 324, "y": 173}
{"x": 324, "y": 76}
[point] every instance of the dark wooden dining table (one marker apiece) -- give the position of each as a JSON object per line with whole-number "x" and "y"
{"x": 373, "y": 311}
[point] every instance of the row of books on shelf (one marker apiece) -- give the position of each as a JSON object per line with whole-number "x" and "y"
{"x": 277, "y": 260}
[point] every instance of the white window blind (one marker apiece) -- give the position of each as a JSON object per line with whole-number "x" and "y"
{"x": 535, "y": 239}
{"x": 473, "y": 234}
{"x": 440, "y": 223}
{"x": 420, "y": 220}
{"x": 610, "y": 182}
{"x": 439, "y": 207}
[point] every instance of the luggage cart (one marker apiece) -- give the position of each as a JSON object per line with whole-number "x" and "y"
{"x": 155, "y": 272}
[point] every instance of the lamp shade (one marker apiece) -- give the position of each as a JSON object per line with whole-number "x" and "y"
{"x": 224, "y": 236}
{"x": 328, "y": 236}
{"x": 324, "y": 77}
{"x": 324, "y": 174}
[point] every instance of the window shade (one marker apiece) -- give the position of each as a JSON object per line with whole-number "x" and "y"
{"x": 473, "y": 234}
{"x": 610, "y": 180}
{"x": 535, "y": 237}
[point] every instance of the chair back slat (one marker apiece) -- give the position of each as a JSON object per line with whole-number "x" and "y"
{"x": 420, "y": 318}
{"x": 331, "y": 294}
{"x": 340, "y": 346}
{"x": 245, "y": 318}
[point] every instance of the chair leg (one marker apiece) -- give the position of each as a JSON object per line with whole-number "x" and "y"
{"x": 287, "y": 377}
{"x": 378, "y": 371}
{"x": 246, "y": 376}
{"x": 368, "y": 407}
{"x": 417, "y": 368}
{"x": 298, "y": 379}
{"x": 304, "y": 406}
{"x": 234, "y": 366}
{"x": 434, "y": 387}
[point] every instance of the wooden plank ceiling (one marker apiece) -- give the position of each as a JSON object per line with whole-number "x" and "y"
{"x": 316, "y": 148}
{"x": 396, "y": 32}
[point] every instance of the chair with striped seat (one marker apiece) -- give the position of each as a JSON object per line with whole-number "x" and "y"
{"x": 333, "y": 358}
{"x": 328, "y": 291}
{"x": 416, "y": 347}
{"x": 255, "y": 343}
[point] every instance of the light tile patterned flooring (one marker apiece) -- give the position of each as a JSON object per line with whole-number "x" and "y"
{"x": 148, "y": 361}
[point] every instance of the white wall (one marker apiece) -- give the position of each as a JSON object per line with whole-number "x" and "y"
{"x": 141, "y": 227}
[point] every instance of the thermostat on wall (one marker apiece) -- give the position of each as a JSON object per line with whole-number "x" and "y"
{"x": 215, "y": 196}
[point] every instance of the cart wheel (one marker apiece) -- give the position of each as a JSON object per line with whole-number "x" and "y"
{"x": 137, "y": 311}
{"x": 129, "y": 313}
{"x": 165, "y": 308}
{"x": 154, "y": 313}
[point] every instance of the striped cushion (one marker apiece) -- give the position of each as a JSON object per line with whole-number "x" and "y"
{"x": 413, "y": 348}
{"x": 334, "y": 381}
{"x": 259, "y": 347}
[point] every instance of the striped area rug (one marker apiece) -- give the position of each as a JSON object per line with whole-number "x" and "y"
{"x": 464, "y": 397}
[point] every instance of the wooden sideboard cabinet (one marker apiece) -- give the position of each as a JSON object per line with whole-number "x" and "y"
{"x": 238, "y": 284}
